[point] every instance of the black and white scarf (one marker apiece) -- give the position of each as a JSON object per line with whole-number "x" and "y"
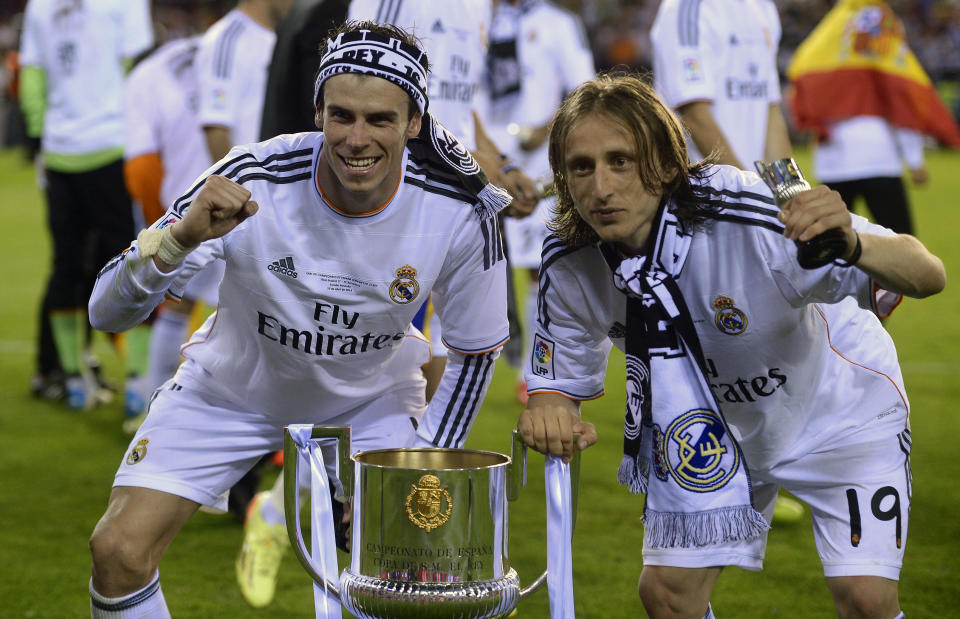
{"x": 700, "y": 492}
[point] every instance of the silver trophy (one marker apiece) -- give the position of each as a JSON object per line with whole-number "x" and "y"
{"x": 429, "y": 529}
{"x": 784, "y": 178}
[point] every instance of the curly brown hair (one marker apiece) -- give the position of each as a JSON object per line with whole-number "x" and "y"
{"x": 661, "y": 149}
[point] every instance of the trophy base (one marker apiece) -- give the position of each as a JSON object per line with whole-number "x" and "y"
{"x": 368, "y": 597}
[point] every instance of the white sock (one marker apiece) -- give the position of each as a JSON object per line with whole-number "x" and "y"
{"x": 145, "y": 603}
{"x": 709, "y": 614}
{"x": 900, "y": 615}
{"x": 168, "y": 334}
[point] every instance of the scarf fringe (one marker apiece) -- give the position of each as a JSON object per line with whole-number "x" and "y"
{"x": 633, "y": 473}
{"x": 695, "y": 529}
{"x": 492, "y": 201}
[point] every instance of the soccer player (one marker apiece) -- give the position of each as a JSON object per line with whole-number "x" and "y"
{"x": 745, "y": 372}
{"x": 331, "y": 242}
{"x": 74, "y": 57}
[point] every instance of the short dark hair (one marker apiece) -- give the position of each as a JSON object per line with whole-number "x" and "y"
{"x": 661, "y": 149}
{"x": 386, "y": 30}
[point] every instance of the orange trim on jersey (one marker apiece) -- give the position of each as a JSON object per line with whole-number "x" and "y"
{"x": 170, "y": 297}
{"x": 597, "y": 397}
{"x": 347, "y": 214}
{"x": 216, "y": 315}
{"x": 873, "y": 301}
{"x": 860, "y": 365}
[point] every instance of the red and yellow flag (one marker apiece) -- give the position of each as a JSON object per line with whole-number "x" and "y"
{"x": 856, "y": 62}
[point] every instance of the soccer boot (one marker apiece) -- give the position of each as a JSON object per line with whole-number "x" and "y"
{"x": 259, "y": 560}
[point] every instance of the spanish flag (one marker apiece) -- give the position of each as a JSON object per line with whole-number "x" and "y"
{"x": 856, "y": 63}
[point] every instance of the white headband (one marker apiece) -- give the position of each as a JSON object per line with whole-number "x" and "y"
{"x": 369, "y": 53}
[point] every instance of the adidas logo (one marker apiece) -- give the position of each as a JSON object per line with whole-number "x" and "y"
{"x": 283, "y": 266}
{"x": 438, "y": 27}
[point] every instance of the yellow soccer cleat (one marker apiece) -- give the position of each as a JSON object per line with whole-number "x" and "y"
{"x": 259, "y": 560}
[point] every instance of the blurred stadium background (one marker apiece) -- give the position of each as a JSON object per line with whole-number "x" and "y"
{"x": 56, "y": 465}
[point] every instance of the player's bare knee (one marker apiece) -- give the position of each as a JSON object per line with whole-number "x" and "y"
{"x": 117, "y": 560}
{"x": 665, "y": 596}
{"x": 865, "y": 598}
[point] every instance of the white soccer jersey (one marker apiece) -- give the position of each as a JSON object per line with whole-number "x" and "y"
{"x": 160, "y": 109}
{"x": 81, "y": 47}
{"x": 315, "y": 303}
{"x": 453, "y": 33}
{"x": 793, "y": 361}
{"x": 866, "y": 147}
{"x": 232, "y": 69}
{"x": 722, "y": 51}
{"x": 552, "y": 58}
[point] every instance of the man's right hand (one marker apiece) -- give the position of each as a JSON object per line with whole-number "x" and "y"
{"x": 549, "y": 423}
{"x": 220, "y": 207}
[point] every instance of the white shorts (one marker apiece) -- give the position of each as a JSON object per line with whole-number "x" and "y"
{"x": 198, "y": 446}
{"x": 859, "y": 498}
{"x": 525, "y": 236}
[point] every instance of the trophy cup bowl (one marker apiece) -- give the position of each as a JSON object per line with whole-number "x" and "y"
{"x": 429, "y": 529}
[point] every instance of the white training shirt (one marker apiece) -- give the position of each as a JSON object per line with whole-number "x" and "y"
{"x": 453, "y": 33}
{"x": 866, "y": 147}
{"x": 315, "y": 303}
{"x": 81, "y": 46}
{"x": 722, "y": 51}
{"x": 553, "y": 57}
{"x": 232, "y": 66}
{"x": 160, "y": 109}
{"x": 800, "y": 364}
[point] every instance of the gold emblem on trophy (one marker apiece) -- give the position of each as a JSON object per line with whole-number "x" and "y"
{"x": 429, "y": 496}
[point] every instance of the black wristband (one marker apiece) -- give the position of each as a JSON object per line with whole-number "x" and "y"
{"x": 854, "y": 257}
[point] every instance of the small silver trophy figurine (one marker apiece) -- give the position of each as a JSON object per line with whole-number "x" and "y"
{"x": 784, "y": 178}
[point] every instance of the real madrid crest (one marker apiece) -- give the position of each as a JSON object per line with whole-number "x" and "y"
{"x": 425, "y": 503}
{"x": 139, "y": 452}
{"x": 728, "y": 318}
{"x": 405, "y": 288}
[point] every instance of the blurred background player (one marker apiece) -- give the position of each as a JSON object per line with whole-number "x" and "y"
{"x": 165, "y": 152}
{"x": 859, "y": 88}
{"x": 74, "y": 55}
{"x": 232, "y": 72}
{"x": 715, "y": 64}
{"x": 538, "y": 53}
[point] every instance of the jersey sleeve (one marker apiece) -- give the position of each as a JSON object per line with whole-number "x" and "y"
{"x": 217, "y": 92}
{"x": 570, "y": 351}
{"x": 828, "y": 284}
{"x": 130, "y": 286}
{"x": 139, "y": 114}
{"x": 684, "y": 53}
{"x": 137, "y": 27}
{"x": 470, "y": 294}
{"x": 31, "y": 38}
{"x": 576, "y": 59}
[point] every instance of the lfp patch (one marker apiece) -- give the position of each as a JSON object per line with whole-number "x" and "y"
{"x": 542, "y": 357}
{"x": 168, "y": 220}
{"x": 691, "y": 70}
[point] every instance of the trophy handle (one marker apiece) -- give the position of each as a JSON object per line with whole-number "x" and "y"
{"x": 517, "y": 474}
{"x": 291, "y": 492}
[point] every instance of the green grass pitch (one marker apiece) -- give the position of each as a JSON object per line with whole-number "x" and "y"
{"x": 56, "y": 467}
